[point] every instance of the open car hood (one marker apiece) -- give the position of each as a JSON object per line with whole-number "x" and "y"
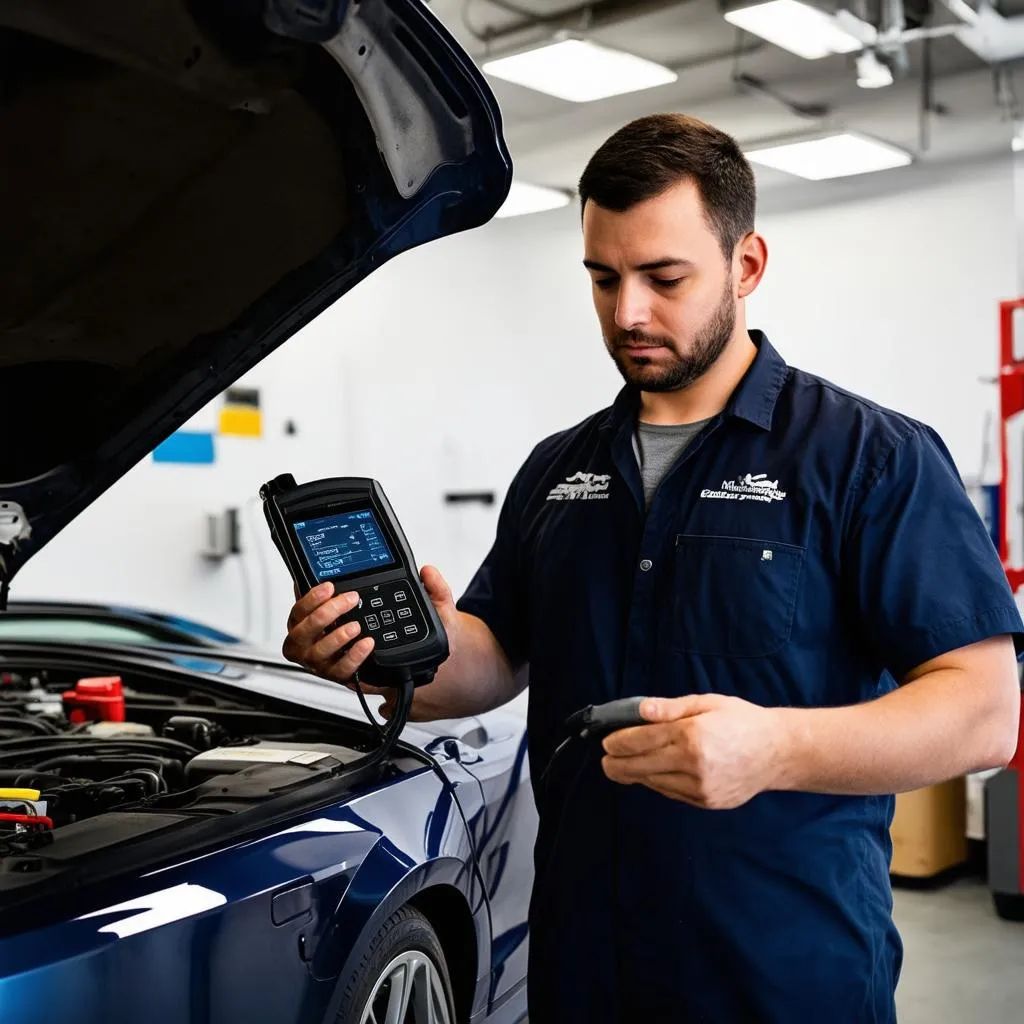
{"x": 185, "y": 184}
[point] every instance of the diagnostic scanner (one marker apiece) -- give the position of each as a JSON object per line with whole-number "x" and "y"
{"x": 343, "y": 530}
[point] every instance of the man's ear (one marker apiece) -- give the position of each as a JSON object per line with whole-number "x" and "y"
{"x": 750, "y": 261}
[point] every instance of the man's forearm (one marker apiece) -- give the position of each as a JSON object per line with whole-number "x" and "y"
{"x": 934, "y": 728}
{"x": 477, "y": 676}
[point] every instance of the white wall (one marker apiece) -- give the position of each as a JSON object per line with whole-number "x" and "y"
{"x": 443, "y": 369}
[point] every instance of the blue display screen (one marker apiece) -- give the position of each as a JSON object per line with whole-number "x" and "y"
{"x": 344, "y": 544}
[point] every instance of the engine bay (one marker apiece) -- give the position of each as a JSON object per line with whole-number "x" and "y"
{"x": 89, "y": 762}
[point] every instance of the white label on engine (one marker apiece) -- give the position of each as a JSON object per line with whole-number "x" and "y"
{"x": 272, "y": 755}
{"x": 308, "y": 757}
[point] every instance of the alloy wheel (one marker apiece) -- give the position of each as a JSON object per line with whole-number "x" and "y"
{"x": 408, "y": 991}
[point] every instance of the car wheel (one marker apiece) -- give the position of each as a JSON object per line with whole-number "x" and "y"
{"x": 402, "y": 979}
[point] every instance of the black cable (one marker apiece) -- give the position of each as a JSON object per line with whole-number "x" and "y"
{"x": 403, "y": 704}
{"x": 35, "y": 725}
{"x": 35, "y": 748}
{"x": 551, "y": 760}
{"x": 366, "y": 708}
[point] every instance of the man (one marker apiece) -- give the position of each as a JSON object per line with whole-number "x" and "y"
{"x": 794, "y": 573}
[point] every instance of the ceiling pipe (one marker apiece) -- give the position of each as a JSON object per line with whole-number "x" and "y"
{"x": 995, "y": 38}
{"x": 890, "y": 35}
{"x": 586, "y": 17}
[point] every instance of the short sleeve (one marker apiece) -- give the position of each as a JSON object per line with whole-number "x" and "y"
{"x": 497, "y": 593}
{"x": 921, "y": 568}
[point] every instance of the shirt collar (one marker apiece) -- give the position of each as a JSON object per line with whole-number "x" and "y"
{"x": 753, "y": 400}
{"x": 755, "y": 397}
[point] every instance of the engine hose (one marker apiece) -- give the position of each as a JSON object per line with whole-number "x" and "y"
{"x": 28, "y": 778}
{"x": 85, "y": 766}
{"x": 29, "y": 724}
{"x": 49, "y": 746}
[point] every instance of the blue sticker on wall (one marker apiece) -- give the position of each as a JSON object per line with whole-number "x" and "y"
{"x": 185, "y": 446}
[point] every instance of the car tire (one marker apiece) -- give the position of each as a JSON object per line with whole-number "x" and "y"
{"x": 1009, "y": 905}
{"x": 403, "y": 962}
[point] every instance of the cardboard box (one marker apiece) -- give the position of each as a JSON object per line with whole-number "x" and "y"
{"x": 929, "y": 830}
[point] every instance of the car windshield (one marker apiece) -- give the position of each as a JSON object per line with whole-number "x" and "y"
{"x": 59, "y": 629}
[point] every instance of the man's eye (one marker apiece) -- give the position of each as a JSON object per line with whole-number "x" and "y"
{"x": 604, "y": 283}
{"x": 667, "y": 284}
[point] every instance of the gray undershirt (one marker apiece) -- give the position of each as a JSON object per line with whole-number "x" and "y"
{"x": 658, "y": 447}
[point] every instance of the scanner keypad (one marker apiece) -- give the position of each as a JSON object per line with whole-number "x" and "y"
{"x": 384, "y": 608}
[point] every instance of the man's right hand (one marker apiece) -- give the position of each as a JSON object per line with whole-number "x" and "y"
{"x": 327, "y": 653}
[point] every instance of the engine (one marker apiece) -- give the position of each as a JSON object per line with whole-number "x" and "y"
{"x": 74, "y": 749}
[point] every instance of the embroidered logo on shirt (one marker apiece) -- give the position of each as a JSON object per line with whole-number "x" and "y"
{"x": 581, "y": 487}
{"x": 747, "y": 488}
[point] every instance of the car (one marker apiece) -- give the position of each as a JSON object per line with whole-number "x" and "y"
{"x": 99, "y": 623}
{"x": 192, "y": 829}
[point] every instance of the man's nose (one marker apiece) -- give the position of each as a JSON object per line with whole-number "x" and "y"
{"x": 632, "y": 310}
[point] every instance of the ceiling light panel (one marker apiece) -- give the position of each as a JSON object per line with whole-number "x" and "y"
{"x": 579, "y": 71}
{"x": 795, "y": 26}
{"x": 832, "y": 156}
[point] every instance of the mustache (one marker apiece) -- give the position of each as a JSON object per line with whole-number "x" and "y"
{"x": 639, "y": 339}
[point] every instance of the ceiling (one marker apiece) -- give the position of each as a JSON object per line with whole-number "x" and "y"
{"x": 552, "y": 139}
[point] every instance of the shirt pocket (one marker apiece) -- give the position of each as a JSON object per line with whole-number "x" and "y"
{"x": 733, "y": 597}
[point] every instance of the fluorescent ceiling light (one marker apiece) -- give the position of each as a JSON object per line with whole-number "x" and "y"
{"x": 579, "y": 71}
{"x": 796, "y": 27}
{"x": 834, "y": 156}
{"x": 1017, "y": 143}
{"x": 524, "y": 198}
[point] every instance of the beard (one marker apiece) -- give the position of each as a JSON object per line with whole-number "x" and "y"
{"x": 677, "y": 371}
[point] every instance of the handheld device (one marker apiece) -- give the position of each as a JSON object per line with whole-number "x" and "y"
{"x": 602, "y": 719}
{"x": 343, "y": 529}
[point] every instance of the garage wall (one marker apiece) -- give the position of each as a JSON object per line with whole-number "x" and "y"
{"x": 440, "y": 372}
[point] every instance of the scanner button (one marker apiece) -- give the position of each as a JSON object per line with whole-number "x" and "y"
{"x": 390, "y": 636}
{"x": 387, "y": 616}
{"x": 400, "y": 595}
{"x": 411, "y": 630}
{"x": 372, "y": 622}
{"x": 405, "y": 613}
{"x": 377, "y": 602}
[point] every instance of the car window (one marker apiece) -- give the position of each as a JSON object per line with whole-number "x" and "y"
{"x": 59, "y": 628}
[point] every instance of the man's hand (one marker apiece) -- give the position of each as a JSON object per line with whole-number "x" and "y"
{"x": 707, "y": 750}
{"x": 335, "y": 653}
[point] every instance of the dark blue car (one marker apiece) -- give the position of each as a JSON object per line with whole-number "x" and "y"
{"x": 192, "y": 830}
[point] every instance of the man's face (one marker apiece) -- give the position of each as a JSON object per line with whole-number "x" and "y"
{"x": 663, "y": 288}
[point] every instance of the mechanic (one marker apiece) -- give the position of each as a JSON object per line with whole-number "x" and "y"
{"x": 793, "y": 574}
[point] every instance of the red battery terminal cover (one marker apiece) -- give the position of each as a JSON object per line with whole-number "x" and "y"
{"x": 29, "y": 821}
{"x": 95, "y": 700}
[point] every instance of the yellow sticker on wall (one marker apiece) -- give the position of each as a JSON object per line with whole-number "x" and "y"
{"x": 240, "y": 414}
{"x": 236, "y": 419}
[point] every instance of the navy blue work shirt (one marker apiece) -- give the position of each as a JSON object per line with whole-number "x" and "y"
{"x": 807, "y": 549}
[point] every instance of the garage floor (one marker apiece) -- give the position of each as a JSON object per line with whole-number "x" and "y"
{"x": 962, "y": 963}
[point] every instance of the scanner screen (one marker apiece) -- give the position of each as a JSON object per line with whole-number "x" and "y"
{"x": 344, "y": 545}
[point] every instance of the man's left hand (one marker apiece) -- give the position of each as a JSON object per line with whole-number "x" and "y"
{"x": 707, "y": 750}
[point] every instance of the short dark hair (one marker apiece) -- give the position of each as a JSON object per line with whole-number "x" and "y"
{"x": 650, "y": 155}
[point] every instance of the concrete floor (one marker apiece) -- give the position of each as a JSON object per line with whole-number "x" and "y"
{"x": 962, "y": 964}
